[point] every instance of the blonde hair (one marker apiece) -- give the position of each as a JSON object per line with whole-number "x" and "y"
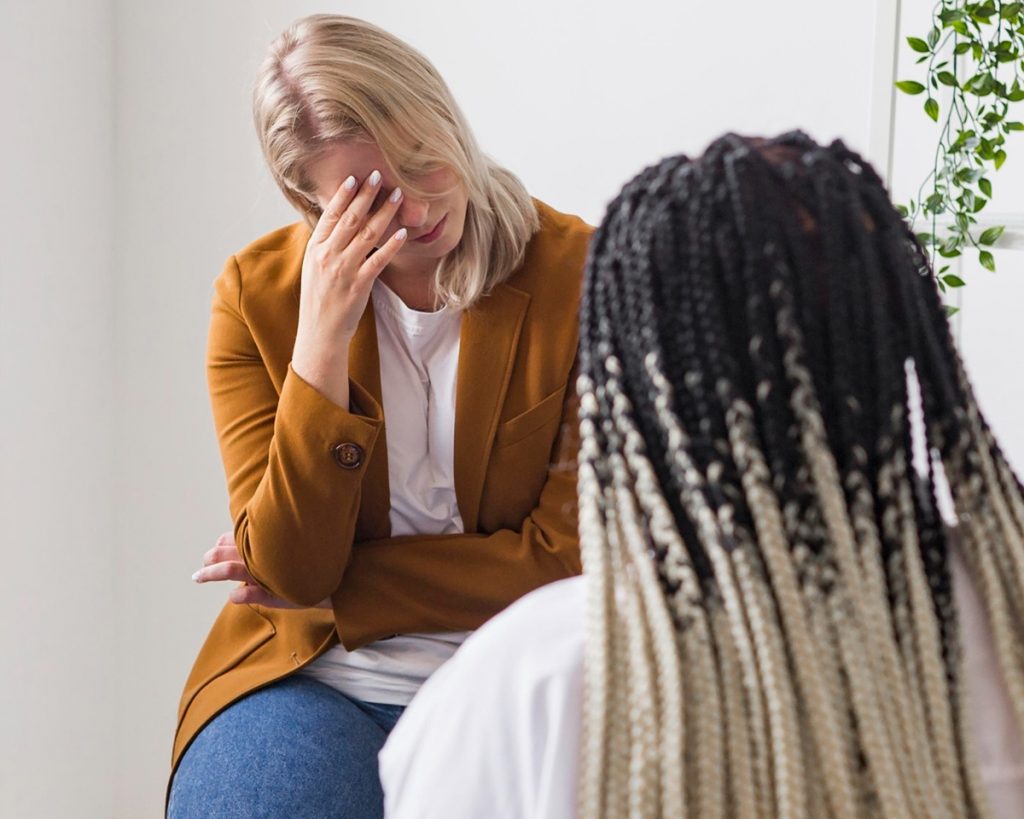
{"x": 771, "y": 625}
{"x": 330, "y": 78}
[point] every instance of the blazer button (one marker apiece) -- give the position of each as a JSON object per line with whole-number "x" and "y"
{"x": 348, "y": 456}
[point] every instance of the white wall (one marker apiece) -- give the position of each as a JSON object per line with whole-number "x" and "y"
{"x": 58, "y": 389}
{"x": 574, "y": 96}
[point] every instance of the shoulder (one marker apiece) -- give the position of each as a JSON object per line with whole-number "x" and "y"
{"x": 555, "y": 255}
{"x": 561, "y": 602}
{"x": 272, "y": 262}
{"x": 288, "y": 240}
{"x": 535, "y": 642}
{"x": 543, "y": 630}
{"x": 503, "y": 715}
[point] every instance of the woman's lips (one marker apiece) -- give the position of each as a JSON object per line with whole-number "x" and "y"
{"x": 426, "y": 238}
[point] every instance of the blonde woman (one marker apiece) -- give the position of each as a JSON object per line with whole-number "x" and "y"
{"x": 389, "y": 387}
{"x": 774, "y": 620}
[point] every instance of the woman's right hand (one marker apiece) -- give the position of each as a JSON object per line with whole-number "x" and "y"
{"x": 337, "y": 277}
{"x": 223, "y": 562}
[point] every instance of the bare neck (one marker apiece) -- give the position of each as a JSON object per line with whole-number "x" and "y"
{"x": 415, "y": 287}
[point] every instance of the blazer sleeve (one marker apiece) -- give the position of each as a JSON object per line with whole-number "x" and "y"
{"x": 294, "y": 507}
{"x": 438, "y": 583}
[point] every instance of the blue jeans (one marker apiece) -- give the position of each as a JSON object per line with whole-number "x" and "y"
{"x": 295, "y": 749}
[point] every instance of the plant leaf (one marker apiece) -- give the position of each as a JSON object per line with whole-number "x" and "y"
{"x": 991, "y": 236}
{"x": 988, "y": 261}
{"x": 952, "y": 280}
{"x": 910, "y": 87}
{"x": 931, "y": 108}
{"x": 918, "y": 44}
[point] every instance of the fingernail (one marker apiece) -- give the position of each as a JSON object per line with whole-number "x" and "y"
{"x": 195, "y": 576}
{"x": 374, "y": 179}
{"x": 349, "y": 183}
{"x": 401, "y": 233}
{"x": 396, "y": 194}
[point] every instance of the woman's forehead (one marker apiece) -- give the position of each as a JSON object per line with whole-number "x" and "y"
{"x": 340, "y": 159}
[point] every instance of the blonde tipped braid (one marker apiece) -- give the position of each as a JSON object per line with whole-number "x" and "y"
{"x": 928, "y": 649}
{"x": 641, "y": 791}
{"x": 1001, "y": 493}
{"x": 977, "y": 806}
{"x": 849, "y": 601}
{"x": 904, "y": 708}
{"x": 619, "y": 754}
{"x": 669, "y": 676}
{"x": 742, "y": 799}
{"x": 605, "y": 760}
{"x": 977, "y": 540}
{"x": 635, "y": 472}
{"x": 985, "y": 551}
{"x": 772, "y": 538}
{"x": 989, "y": 490}
{"x": 787, "y": 752}
{"x": 924, "y": 772}
{"x": 725, "y": 584}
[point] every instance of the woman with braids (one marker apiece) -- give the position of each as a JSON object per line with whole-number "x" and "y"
{"x": 774, "y": 618}
{"x": 390, "y": 378}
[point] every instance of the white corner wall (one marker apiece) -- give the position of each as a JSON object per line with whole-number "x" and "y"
{"x": 58, "y": 388}
{"x": 131, "y": 171}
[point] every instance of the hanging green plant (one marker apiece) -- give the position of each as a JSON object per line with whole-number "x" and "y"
{"x": 984, "y": 43}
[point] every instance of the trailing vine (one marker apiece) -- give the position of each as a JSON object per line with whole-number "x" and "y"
{"x": 984, "y": 42}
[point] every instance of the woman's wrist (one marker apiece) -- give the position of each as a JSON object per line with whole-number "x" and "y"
{"x": 324, "y": 371}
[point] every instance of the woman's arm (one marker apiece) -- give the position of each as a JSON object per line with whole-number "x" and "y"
{"x": 285, "y": 485}
{"x": 441, "y": 583}
{"x": 295, "y": 462}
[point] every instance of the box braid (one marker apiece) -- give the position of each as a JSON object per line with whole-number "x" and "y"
{"x": 771, "y": 627}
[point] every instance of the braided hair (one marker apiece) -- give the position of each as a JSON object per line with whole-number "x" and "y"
{"x": 771, "y": 628}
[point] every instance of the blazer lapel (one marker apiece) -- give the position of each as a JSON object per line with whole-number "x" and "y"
{"x": 364, "y": 370}
{"x": 488, "y": 340}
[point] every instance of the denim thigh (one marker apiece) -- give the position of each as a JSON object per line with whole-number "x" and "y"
{"x": 295, "y": 749}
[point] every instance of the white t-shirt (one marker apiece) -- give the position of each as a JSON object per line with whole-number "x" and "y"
{"x": 419, "y": 357}
{"x": 496, "y": 732}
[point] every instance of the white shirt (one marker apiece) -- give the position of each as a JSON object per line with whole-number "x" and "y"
{"x": 496, "y": 732}
{"x": 419, "y": 357}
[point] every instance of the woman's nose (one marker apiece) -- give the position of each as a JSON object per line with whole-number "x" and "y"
{"x": 413, "y": 213}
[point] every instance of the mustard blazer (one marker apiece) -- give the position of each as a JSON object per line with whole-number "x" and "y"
{"x": 308, "y": 480}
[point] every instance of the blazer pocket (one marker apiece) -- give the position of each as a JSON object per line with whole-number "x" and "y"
{"x": 536, "y": 417}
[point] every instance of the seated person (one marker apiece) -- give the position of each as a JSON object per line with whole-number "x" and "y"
{"x": 774, "y": 618}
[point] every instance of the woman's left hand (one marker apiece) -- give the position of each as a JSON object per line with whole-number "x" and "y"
{"x": 223, "y": 562}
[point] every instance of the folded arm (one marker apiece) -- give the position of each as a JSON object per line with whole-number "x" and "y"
{"x": 294, "y": 500}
